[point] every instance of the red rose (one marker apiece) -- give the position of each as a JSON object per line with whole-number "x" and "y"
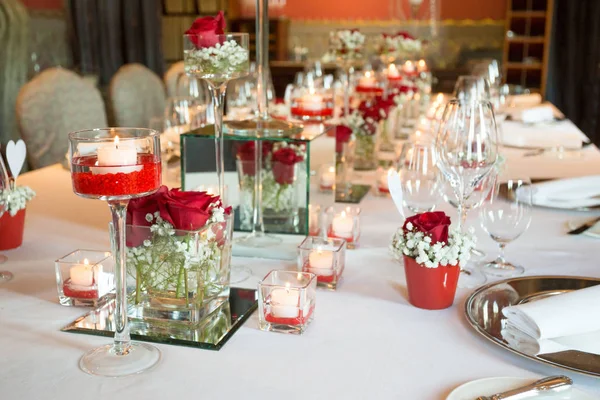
{"x": 342, "y": 135}
{"x": 245, "y": 154}
{"x": 284, "y": 160}
{"x": 433, "y": 224}
{"x": 405, "y": 35}
{"x": 137, "y": 211}
{"x": 206, "y": 29}
{"x": 189, "y": 211}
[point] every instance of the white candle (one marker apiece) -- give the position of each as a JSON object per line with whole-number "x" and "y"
{"x": 328, "y": 178}
{"x": 408, "y": 67}
{"x": 115, "y": 158}
{"x": 367, "y": 80}
{"x": 392, "y": 72}
{"x": 285, "y": 302}
{"x": 343, "y": 225}
{"x": 312, "y": 101}
{"x": 320, "y": 262}
{"x": 422, "y": 66}
{"x": 82, "y": 274}
{"x": 383, "y": 180}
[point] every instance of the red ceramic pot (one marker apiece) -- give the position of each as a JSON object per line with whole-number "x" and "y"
{"x": 430, "y": 288}
{"x": 11, "y": 230}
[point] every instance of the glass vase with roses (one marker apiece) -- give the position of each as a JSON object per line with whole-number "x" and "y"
{"x": 178, "y": 255}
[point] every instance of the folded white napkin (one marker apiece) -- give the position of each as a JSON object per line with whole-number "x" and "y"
{"x": 567, "y": 193}
{"x": 559, "y": 134}
{"x": 524, "y": 100}
{"x": 587, "y": 342}
{"x": 534, "y": 115}
{"x": 567, "y": 314}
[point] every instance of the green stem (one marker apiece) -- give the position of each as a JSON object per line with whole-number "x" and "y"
{"x": 185, "y": 283}
{"x": 179, "y": 282}
{"x": 138, "y": 284}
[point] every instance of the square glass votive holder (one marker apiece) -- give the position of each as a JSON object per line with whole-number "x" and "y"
{"x": 382, "y": 187}
{"x": 85, "y": 278}
{"x": 286, "y": 301}
{"x": 343, "y": 222}
{"x": 312, "y": 103}
{"x": 324, "y": 257}
{"x": 327, "y": 178}
{"x": 315, "y": 217}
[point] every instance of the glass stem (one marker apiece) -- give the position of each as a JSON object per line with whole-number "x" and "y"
{"x": 347, "y": 92}
{"x": 218, "y": 98}
{"x": 258, "y": 227}
{"x": 122, "y": 344}
{"x": 462, "y": 216}
{"x": 501, "y": 258}
{"x": 262, "y": 57}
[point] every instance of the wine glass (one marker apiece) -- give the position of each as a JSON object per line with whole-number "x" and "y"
{"x": 116, "y": 165}
{"x": 472, "y": 87}
{"x": 5, "y": 276}
{"x": 217, "y": 66}
{"x": 466, "y": 147}
{"x": 505, "y": 218}
{"x": 419, "y": 177}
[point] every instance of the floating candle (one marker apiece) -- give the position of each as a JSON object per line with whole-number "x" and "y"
{"x": 116, "y": 158}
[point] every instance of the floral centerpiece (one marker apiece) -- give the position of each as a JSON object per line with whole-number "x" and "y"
{"x": 178, "y": 255}
{"x": 280, "y": 192}
{"x": 346, "y": 45}
{"x": 211, "y": 53}
{"x": 13, "y": 203}
{"x": 432, "y": 256}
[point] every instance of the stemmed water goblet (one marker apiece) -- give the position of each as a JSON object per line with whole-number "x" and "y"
{"x": 467, "y": 149}
{"x": 472, "y": 88}
{"x": 506, "y": 217}
{"x": 116, "y": 165}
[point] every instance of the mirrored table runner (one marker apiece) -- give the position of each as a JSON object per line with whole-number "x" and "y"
{"x": 211, "y": 334}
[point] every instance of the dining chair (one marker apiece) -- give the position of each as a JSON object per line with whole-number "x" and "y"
{"x": 54, "y": 103}
{"x": 136, "y": 95}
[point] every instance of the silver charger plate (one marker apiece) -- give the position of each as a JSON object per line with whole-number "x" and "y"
{"x": 211, "y": 333}
{"x": 483, "y": 310}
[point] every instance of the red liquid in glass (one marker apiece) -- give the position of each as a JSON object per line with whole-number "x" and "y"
{"x": 86, "y": 182}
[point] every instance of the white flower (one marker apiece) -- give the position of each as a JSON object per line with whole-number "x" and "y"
{"x": 149, "y": 217}
{"x": 15, "y": 200}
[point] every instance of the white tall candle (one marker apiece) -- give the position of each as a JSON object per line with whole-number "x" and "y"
{"x": 82, "y": 274}
{"x": 343, "y": 225}
{"x": 285, "y": 302}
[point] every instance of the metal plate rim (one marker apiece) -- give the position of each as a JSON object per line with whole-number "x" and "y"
{"x": 482, "y": 332}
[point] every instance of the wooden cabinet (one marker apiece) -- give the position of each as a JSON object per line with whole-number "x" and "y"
{"x": 527, "y": 43}
{"x": 278, "y": 36}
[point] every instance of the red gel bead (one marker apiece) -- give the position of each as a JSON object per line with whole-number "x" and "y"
{"x": 78, "y": 294}
{"x": 324, "y": 112}
{"x": 301, "y": 319}
{"x": 347, "y": 239}
{"x": 119, "y": 184}
{"x": 322, "y": 279}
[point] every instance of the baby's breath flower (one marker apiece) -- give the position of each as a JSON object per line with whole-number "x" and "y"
{"x": 15, "y": 200}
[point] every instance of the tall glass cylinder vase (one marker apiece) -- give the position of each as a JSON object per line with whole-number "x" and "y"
{"x": 116, "y": 165}
{"x": 217, "y": 59}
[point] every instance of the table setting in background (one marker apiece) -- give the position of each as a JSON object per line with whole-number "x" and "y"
{"x": 362, "y": 237}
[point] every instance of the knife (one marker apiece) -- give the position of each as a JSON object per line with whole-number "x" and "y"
{"x": 584, "y": 227}
{"x": 550, "y": 384}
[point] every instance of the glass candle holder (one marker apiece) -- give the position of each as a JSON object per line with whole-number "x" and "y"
{"x": 369, "y": 84}
{"x": 85, "y": 278}
{"x": 343, "y": 222}
{"x": 286, "y": 301}
{"x": 381, "y": 186}
{"x": 325, "y": 258}
{"x": 327, "y": 178}
{"x": 312, "y": 104}
{"x": 314, "y": 220}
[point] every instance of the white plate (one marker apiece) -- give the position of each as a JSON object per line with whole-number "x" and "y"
{"x": 594, "y": 231}
{"x": 490, "y": 386}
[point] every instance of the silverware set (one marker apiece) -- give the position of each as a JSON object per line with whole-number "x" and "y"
{"x": 549, "y": 385}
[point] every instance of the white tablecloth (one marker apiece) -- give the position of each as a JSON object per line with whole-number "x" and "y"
{"x": 366, "y": 341}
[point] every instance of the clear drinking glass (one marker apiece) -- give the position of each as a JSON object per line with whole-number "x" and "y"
{"x": 5, "y": 276}
{"x": 419, "y": 177}
{"x": 505, "y": 218}
{"x": 116, "y": 165}
{"x": 217, "y": 59}
{"x": 472, "y": 87}
{"x": 467, "y": 149}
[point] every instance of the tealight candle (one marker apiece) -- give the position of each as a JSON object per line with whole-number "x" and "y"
{"x": 367, "y": 80}
{"x": 321, "y": 262}
{"x": 393, "y": 73}
{"x": 408, "y": 67}
{"x": 82, "y": 274}
{"x": 342, "y": 225}
{"x": 312, "y": 101}
{"x": 383, "y": 182}
{"x": 421, "y": 66}
{"x": 284, "y": 302}
{"x": 327, "y": 178}
{"x": 116, "y": 158}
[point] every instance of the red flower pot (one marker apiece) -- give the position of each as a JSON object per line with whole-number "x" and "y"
{"x": 430, "y": 288}
{"x": 11, "y": 230}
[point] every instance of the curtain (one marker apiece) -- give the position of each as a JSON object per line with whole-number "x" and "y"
{"x": 110, "y": 33}
{"x": 574, "y": 67}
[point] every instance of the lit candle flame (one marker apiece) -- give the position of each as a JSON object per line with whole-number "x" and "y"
{"x": 86, "y": 261}
{"x": 331, "y": 169}
{"x": 117, "y": 141}
{"x": 440, "y": 98}
{"x": 287, "y": 286}
{"x": 368, "y": 74}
